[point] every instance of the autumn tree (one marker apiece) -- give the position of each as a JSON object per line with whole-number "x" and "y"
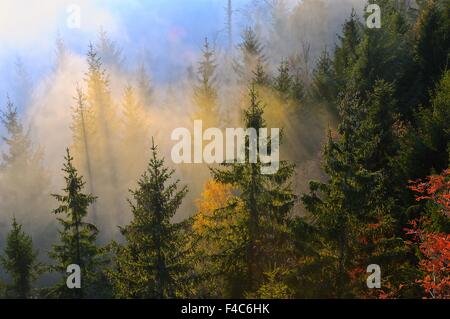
{"x": 218, "y": 217}
{"x": 430, "y": 233}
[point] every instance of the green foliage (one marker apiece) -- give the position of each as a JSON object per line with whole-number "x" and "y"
{"x": 20, "y": 262}
{"x": 149, "y": 265}
{"x": 267, "y": 201}
{"x": 77, "y": 237}
{"x": 251, "y": 55}
{"x": 283, "y": 81}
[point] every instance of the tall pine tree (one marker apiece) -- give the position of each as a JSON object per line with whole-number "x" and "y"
{"x": 77, "y": 237}
{"x": 149, "y": 265}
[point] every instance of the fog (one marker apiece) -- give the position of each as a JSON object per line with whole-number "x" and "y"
{"x": 45, "y": 92}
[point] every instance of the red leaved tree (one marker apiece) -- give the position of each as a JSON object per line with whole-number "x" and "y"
{"x": 434, "y": 246}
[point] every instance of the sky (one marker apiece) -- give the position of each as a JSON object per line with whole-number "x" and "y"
{"x": 28, "y": 29}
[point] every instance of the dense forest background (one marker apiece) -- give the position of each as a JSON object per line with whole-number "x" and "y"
{"x": 86, "y": 175}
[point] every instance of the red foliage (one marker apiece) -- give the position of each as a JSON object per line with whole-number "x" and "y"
{"x": 435, "y": 247}
{"x": 435, "y": 188}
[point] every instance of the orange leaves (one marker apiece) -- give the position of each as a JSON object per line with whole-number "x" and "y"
{"x": 215, "y": 195}
{"x": 434, "y": 247}
{"x": 436, "y": 188}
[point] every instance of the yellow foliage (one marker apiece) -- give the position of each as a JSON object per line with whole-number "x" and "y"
{"x": 215, "y": 195}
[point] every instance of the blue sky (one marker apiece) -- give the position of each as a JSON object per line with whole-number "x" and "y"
{"x": 28, "y": 29}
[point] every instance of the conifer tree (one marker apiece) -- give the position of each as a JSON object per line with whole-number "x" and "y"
{"x": 109, "y": 51}
{"x": 432, "y": 46}
{"x": 149, "y": 264}
{"x": 260, "y": 76}
{"x": 135, "y": 136}
{"x": 77, "y": 236}
{"x": 144, "y": 86}
{"x": 205, "y": 92}
{"x": 267, "y": 201}
{"x": 357, "y": 203}
{"x": 96, "y": 132}
{"x": 426, "y": 148}
{"x": 323, "y": 83}
{"x": 345, "y": 53}
{"x": 23, "y": 180}
{"x": 19, "y": 261}
{"x": 251, "y": 55}
{"x": 283, "y": 81}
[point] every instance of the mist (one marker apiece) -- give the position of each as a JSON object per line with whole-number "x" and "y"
{"x": 161, "y": 44}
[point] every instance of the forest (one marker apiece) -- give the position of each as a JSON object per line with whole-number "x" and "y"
{"x": 87, "y": 177}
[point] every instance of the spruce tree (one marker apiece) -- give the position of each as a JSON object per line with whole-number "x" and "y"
{"x": 251, "y": 55}
{"x": 23, "y": 179}
{"x": 205, "y": 92}
{"x": 267, "y": 201}
{"x": 135, "y": 137}
{"x": 149, "y": 264}
{"x": 109, "y": 51}
{"x": 357, "y": 205}
{"x": 260, "y": 76}
{"x": 77, "y": 236}
{"x": 19, "y": 261}
{"x": 432, "y": 46}
{"x": 323, "y": 82}
{"x": 283, "y": 81}
{"x": 96, "y": 130}
{"x": 345, "y": 53}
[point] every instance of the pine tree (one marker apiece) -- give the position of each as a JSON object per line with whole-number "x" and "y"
{"x": 267, "y": 201}
{"x": 149, "y": 265}
{"x": 144, "y": 86}
{"x": 96, "y": 132}
{"x": 109, "y": 51}
{"x": 251, "y": 55}
{"x": 23, "y": 180}
{"x": 205, "y": 92}
{"x": 283, "y": 81}
{"x": 426, "y": 149}
{"x": 346, "y": 52}
{"x": 19, "y": 146}
{"x": 77, "y": 237}
{"x": 135, "y": 136}
{"x": 260, "y": 76}
{"x": 20, "y": 261}
{"x": 432, "y": 46}
{"x": 355, "y": 212}
{"x": 323, "y": 83}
